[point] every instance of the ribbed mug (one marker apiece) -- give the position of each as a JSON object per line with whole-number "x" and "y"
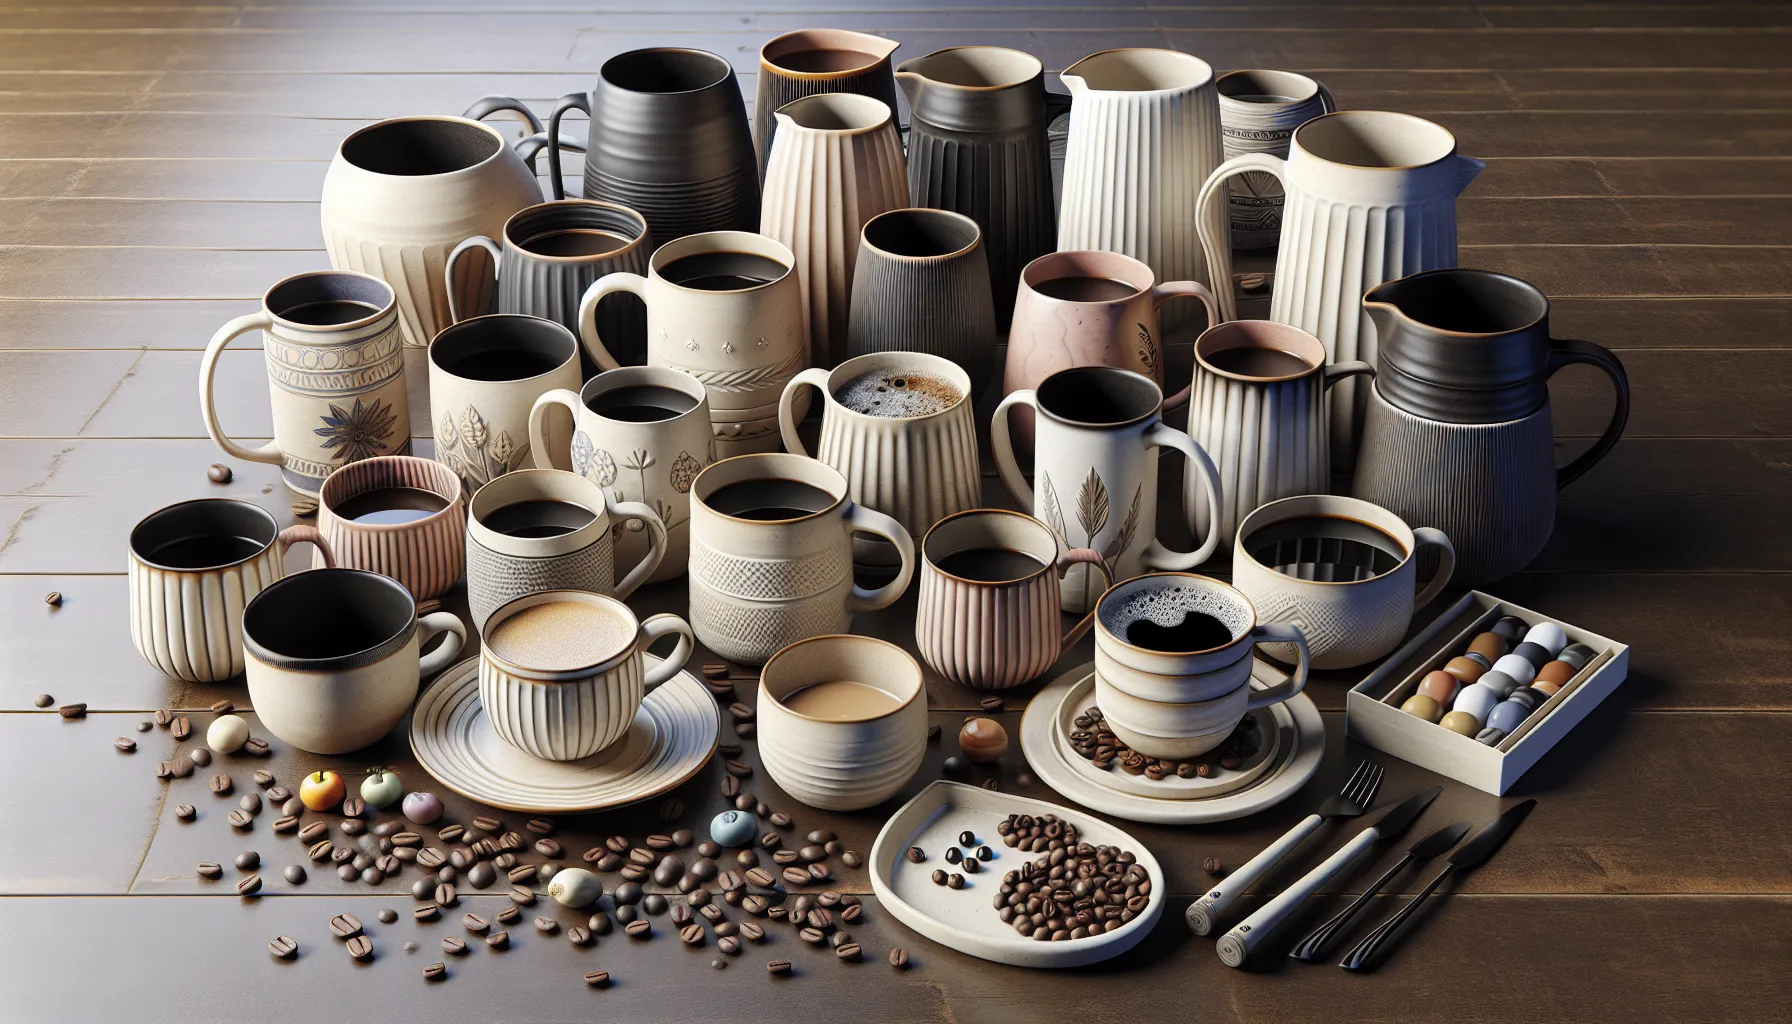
{"x": 427, "y": 554}
{"x": 921, "y": 284}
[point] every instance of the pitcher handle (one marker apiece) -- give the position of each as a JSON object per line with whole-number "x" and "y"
{"x": 538, "y": 435}
{"x": 1056, "y": 103}
{"x": 1215, "y": 226}
{"x": 571, "y": 101}
{"x": 486, "y": 106}
{"x": 621, "y": 281}
{"x": 301, "y": 533}
{"x": 814, "y": 377}
{"x": 657, "y": 626}
{"x": 1092, "y": 558}
{"x": 208, "y": 370}
{"x": 1426, "y": 536}
{"x": 530, "y": 146}
{"x": 1338, "y": 371}
{"x": 1280, "y": 633}
{"x": 656, "y": 539}
{"x": 860, "y": 519}
{"x": 454, "y": 286}
{"x": 1562, "y": 353}
{"x": 1184, "y": 290}
{"x": 443, "y": 656}
{"x": 1156, "y": 555}
{"x": 1003, "y": 443}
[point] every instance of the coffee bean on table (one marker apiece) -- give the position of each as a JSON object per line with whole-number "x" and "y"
{"x": 248, "y": 860}
{"x": 730, "y": 786}
{"x": 509, "y": 915}
{"x": 498, "y": 940}
{"x": 779, "y": 967}
{"x": 745, "y": 802}
{"x": 185, "y": 812}
{"x": 578, "y": 935}
{"x": 388, "y": 865}
{"x": 510, "y": 841}
{"x": 182, "y": 767}
{"x": 240, "y": 819}
{"x": 521, "y": 874}
{"x": 522, "y": 895}
{"x": 74, "y": 711}
{"x": 681, "y": 915}
{"x": 955, "y": 881}
{"x": 44, "y": 700}
{"x": 972, "y": 865}
{"x": 353, "y": 807}
{"x": 200, "y": 756}
{"x": 372, "y": 875}
{"x": 250, "y": 802}
{"x": 487, "y": 824}
{"x": 347, "y": 872}
{"x": 691, "y": 934}
{"x": 125, "y": 745}
{"x": 145, "y": 726}
{"x": 654, "y": 904}
{"x": 549, "y": 848}
{"x": 641, "y": 929}
{"x": 796, "y": 876}
{"x": 738, "y": 769}
{"x": 249, "y": 886}
{"x": 359, "y": 948}
{"x": 745, "y": 730}
{"x": 255, "y": 746}
{"x": 435, "y": 972}
{"x": 180, "y": 728}
{"x": 598, "y": 979}
{"x": 291, "y": 805}
{"x": 286, "y": 825}
{"x": 207, "y": 869}
{"x": 899, "y": 958}
{"x": 671, "y": 809}
{"x": 353, "y": 826}
{"x": 546, "y": 925}
{"x": 164, "y": 770}
{"x": 283, "y": 947}
{"x": 446, "y": 896}
{"x": 319, "y": 851}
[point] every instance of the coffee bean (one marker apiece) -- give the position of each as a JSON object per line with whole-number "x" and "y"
{"x": 760, "y": 809}
{"x": 488, "y": 825}
{"x": 291, "y": 805}
{"x": 779, "y": 819}
{"x": 283, "y": 947}
{"x": 751, "y": 932}
{"x": 851, "y": 914}
{"x": 125, "y": 745}
{"x": 248, "y": 860}
{"x": 371, "y": 875}
{"x": 388, "y": 865}
{"x": 185, "y": 812}
{"x": 549, "y": 848}
{"x": 745, "y": 730}
{"x": 510, "y": 841}
{"x": 755, "y": 905}
{"x": 847, "y": 951}
{"x": 72, "y": 711}
{"x": 681, "y": 914}
{"x": 509, "y": 915}
{"x": 179, "y": 728}
{"x": 598, "y": 979}
{"x": 354, "y": 807}
{"x": 345, "y": 926}
{"x": 761, "y": 878}
{"x": 221, "y": 784}
{"x": 771, "y": 840}
{"x": 899, "y": 958}
{"x": 359, "y": 948}
{"x": 240, "y": 820}
{"x": 738, "y": 769}
{"x": 145, "y": 726}
{"x": 200, "y": 756}
{"x": 44, "y": 700}
{"x": 250, "y": 802}
{"x": 578, "y": 935}
{"x": 546, "y": 925}
{"x": 785, "y": 858}
{"x": 446, "y": 896}
{"x": 810, "y": 854}
{"x": 342, "y": 855}
{"x": 730, "y": 786}
{"x": 990, "y": 703}
{"x": 498, "y": 940}
{"x": 249, "y": 886}
{"x": 181, "y": 767}
{"x": 483, "y": 849}
{"x": 426, "y": 912}
{"x": 778, "y": 967}
{"x": 985, "y": 853}
{"x": 654, "y": 904}
{"x": 163, "y": 717}
{"x": 955, "y": 881}
{"x": 320, "y": 851}
{"x": 795, "y": 876}
{"x": 640, "y": 929}
{"x": 522, "y": 895}
{"x": 521, "y": 874}
{"x": 435, "y": 972}
{"x": 255, "y": 746}
{"x": 691, "y": 934}
{"x": 715, "y": 670}
{"x": 207, "y": 869}
{"x": 745, "y": 801}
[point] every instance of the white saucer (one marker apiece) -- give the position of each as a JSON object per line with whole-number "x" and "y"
{"x": 1275, "y": 729}
{"x": 1299, "y": 745}
{"x": 673, "y": 737}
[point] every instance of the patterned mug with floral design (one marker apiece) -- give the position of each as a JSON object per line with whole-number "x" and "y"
{"x": 485, "y": 374}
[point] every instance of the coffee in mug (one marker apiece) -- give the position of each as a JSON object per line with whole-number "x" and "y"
{"x": 558, "y": 636}
{"x": 990, "y": 565}
{"x": 841, "y": 700}
{"x": 1176, "y": 619}
{"x": 575, "y": 242}
{"x": 538, "y": 518}
{"x": 485, "y": 375}
{"x": 329, "y": 312}
{"x": 641, "y": 403}
{"x": 770, "y": 499}
{"x": 400, "y": 516}
{"x": 1086, "y": 289}
{"x": 1329, "y": 549}
{"x": 723, "y": 270}
{"x": 896, "y": 393}
{"x": 391, "y": 506}
{"x": 1263, "y": 363}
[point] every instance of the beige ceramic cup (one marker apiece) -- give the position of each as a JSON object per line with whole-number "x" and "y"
{"x": 485, "y": 374}
{"x": 587, "y": 682}
{"x": 194, "y": 565}
{"x": 848, "y": 763}
{"x": 334, "y": 658}
{"x": 992, "y": 634}
{"x": 427, "y": 555}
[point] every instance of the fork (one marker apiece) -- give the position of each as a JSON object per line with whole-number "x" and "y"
{"x": 1358, "y": 793}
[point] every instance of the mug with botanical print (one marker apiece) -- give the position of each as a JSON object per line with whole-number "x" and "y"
{"x": 484, "y": 377}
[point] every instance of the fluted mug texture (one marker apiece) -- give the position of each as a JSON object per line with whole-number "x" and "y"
{"x": 427, "y": 554}
{"x": 921, "y": 284}
{"x": 813, "y": 61}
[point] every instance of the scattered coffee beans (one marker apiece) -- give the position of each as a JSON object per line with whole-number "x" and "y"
{"x": 387, "y": 915}
{"x": 598, "y": 979}
{"x": 145, "y": 726}
{"x": 640, "y": 929}
{"x": 249, "y": 886}
{"x": 185, "y": 812}
{"x": 125, "y": 745}
{"x": 546, "y": 925}
{"x": 283, "y": 947}
{"x": 778, "y": 967}
{"x": 359, "y": 948}
{"x": 200, "y": 756}
{"x": 509, "y": 915}
{"x": 240, "y": 819}
{"x": 44, "y": 700}
{"x": 955, "y": 881}
{"x": 248, "y": 860}
{"x": 498, "y": 940}
{"x": 578, "y": 935}
{"x": 221, "y": 783}
{"x": 488, "y": 825}
{"x": 207, "y": 869}
{"x": 435, "y": 972}
{"x": 179, "y": 728}
{"x": 79, "y": 711}
{"x": 899, "y": 958}
{"x": 522, "y": 895}
{"x": 295, "y": 874}
{"x": 345, "y": 926}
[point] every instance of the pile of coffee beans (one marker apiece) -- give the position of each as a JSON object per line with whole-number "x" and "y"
{"x": 1075, "y": 890}
{"x": 1092, "y": 738}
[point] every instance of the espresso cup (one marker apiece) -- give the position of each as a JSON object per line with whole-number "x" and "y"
{"x": 334, "y": 657}
{"x": 989, "y": 613}
{"x": 547, "y": 529}
{"x": 484, "y": 377}
{"x": 397, "y": 515}
{"x": 194, "y": 565}
{"x": 842, "y": 721}
{"x": 1341, "y": 569}
{"x": 1173, "y": 662}
{"x": 561, "y": 673}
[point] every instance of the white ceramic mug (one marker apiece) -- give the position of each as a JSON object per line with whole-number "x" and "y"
{"x": 842, "y": 763}
{"x": 484, "y": 377}
{"x": 582, "y": 693}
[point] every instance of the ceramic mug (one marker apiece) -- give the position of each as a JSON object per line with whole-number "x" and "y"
{"x": 1099, "y": 431}
{"x": 771, "y": 555}
{"x": 1348, "y": 585}
{"x": 570, "y": 546}
{"x": 813, "y": 61}
{"x": 484, "y": 377}
{"x": 423, "y": 549}
{"x": 335, "y": 362}
{"x": 1180, "y": 703}
{"x": 921, "y": 284}
{"x": 995, "y": 622}
{"x": 643, "y": 434}
{"x": 561, "y": 673}
{"x": 842, "y": 720}
{"x": 1259, "y": 111}
{"x": 194, "y": 565}
{"x": 334, "y": 657}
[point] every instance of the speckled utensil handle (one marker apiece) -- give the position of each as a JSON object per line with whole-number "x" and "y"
{"x": 1237, "y": 945}
{"x": 1364, "y": 956}
{"x": 1204, "y": 914}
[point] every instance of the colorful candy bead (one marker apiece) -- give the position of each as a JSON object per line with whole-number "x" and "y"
{"x": 1423, "y": 706}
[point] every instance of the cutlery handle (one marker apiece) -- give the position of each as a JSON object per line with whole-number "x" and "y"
{"x": 1361, "y": 958}
{"x": 1311, "y": 948}
{"x": 1236, "y": 945}
{"x": 1204, "y": 914}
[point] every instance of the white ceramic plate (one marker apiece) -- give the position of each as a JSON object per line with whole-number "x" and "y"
{"x": 673, "y": 736}
{"x": 964, "y": 919}
{"x": 1272, "y": 723}
{"x": 1300, "y": 742}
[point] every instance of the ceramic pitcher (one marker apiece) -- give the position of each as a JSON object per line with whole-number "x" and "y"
{"x": 669, "y": 138}
{"x": 1264, "y": 425}
{"x": 1370, "y": 196}
{"x": 1095, "y": 472}
{"x": 1144, "y": 135}
{"x": 977, "y": 145}
{"x": 837, "y": 164}
{"x": 922, "y": 285}
{"x": 401, "y": 194}
{"x": 335, "y": 364}
{"x": 812, "y": 61}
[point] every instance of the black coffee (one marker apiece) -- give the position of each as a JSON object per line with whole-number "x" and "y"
{"x": 1085, "y": 289}
{"x": 723, "y": 271}
{"x": 990, "y": 565}
{"x": 641, "y": 403}
{"x": 499, "y": 364}
{"x": 538, "y": 518}
{"x": 1329, "y": 549}
{"x": 768, "y": 499}
{"x": 1198, "y": 631}
{"x": 329, "y": 312}
{"x": 1258, "y": 362}
{"x": 389, "y": 506}
{"x": 203, "y": 552}
{"x": 575, "y": 242}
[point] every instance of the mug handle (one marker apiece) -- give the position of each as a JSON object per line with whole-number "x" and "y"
{"x": 538, "y": 435}
{"x": 1282, "y": 633}
{"x": 656, "y": 535}
{"x": 486, "y": 106}
{"x": 454, "y": 286}
{"x": 1338, "y": 371}
{"x": 1215, "y": 226}
{"x": 621, "y": 281}
{"x": 657, "y": 626}
{"x": 1563, "y": 353}
{"x": 860, "y": 519}
{"x": 208, "y": 369}
{"x": 1446, "y": 563}
{"x": 1003, "y": 443}
{"x": 1092, "y": 558}
{"x": 571, "y": 101}
{"x": 1184, "y": 290}
{"x": 1327, "y": 104}
{"x": 443, "y": 656}
{"x": 814, "y": 377}
{"x": 1156, "y": 555}
{"x": 300, "y": 533}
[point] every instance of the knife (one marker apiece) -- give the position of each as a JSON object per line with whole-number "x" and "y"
{"x": 1312, "y": 948}
{"x": 1236, "y": 945}
{"x": 1471, "y": 855}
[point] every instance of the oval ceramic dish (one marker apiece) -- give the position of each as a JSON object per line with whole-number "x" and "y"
{"x": 673, "y": 737}
{"x": 963, "y": 918}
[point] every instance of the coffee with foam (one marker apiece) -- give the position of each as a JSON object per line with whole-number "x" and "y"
{"x": 1174, "y": 615}
{"x": 897, "y": 395}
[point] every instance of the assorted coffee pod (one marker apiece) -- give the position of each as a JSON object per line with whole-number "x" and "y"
{"x": 1487, "y": 690}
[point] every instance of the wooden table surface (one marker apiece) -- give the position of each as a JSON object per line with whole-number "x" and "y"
{"x": 160, "y": 163}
